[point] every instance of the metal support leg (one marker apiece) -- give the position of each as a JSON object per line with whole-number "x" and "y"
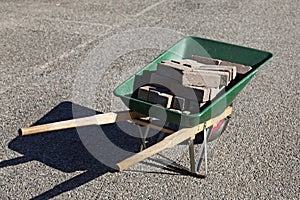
{"x": 203, "y": 150}
{"x": 192, "y": 155}
{"x": 143, "y": 137}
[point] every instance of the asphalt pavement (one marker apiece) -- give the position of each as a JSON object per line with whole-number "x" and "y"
{"x": 62, "y": 59}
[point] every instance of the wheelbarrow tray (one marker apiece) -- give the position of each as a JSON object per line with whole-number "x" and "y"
{"x": 184, "y": 49}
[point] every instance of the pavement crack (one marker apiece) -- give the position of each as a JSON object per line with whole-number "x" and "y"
{"x": 148, "y": 8}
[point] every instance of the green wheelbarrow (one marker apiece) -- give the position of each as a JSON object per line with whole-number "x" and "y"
{"x": 201, "y": 127}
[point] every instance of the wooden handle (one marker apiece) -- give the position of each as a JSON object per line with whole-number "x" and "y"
{"x": 99, "y": 119}
{"x": 170, "y": 141}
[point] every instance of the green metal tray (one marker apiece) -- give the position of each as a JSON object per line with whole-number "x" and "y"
{"x": 183, "y": 49}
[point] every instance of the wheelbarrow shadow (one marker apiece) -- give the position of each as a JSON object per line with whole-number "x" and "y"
{"x": 64, "y": 150}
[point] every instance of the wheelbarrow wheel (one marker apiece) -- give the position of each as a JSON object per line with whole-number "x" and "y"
{"x": 215, "y": 133}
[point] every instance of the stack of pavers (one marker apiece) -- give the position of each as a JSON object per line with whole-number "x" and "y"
{"x": 186, "y": 85}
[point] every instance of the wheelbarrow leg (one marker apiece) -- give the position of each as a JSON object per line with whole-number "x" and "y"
{"x": 192, "y": 155}
{"x": 203, "y": 150}
{"x": 143, "y": 137}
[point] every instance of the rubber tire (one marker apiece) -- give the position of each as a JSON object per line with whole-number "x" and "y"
{"x": 215, "y": 133}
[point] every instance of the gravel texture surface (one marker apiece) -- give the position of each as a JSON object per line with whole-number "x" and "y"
{"x": 64, "y": 58}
